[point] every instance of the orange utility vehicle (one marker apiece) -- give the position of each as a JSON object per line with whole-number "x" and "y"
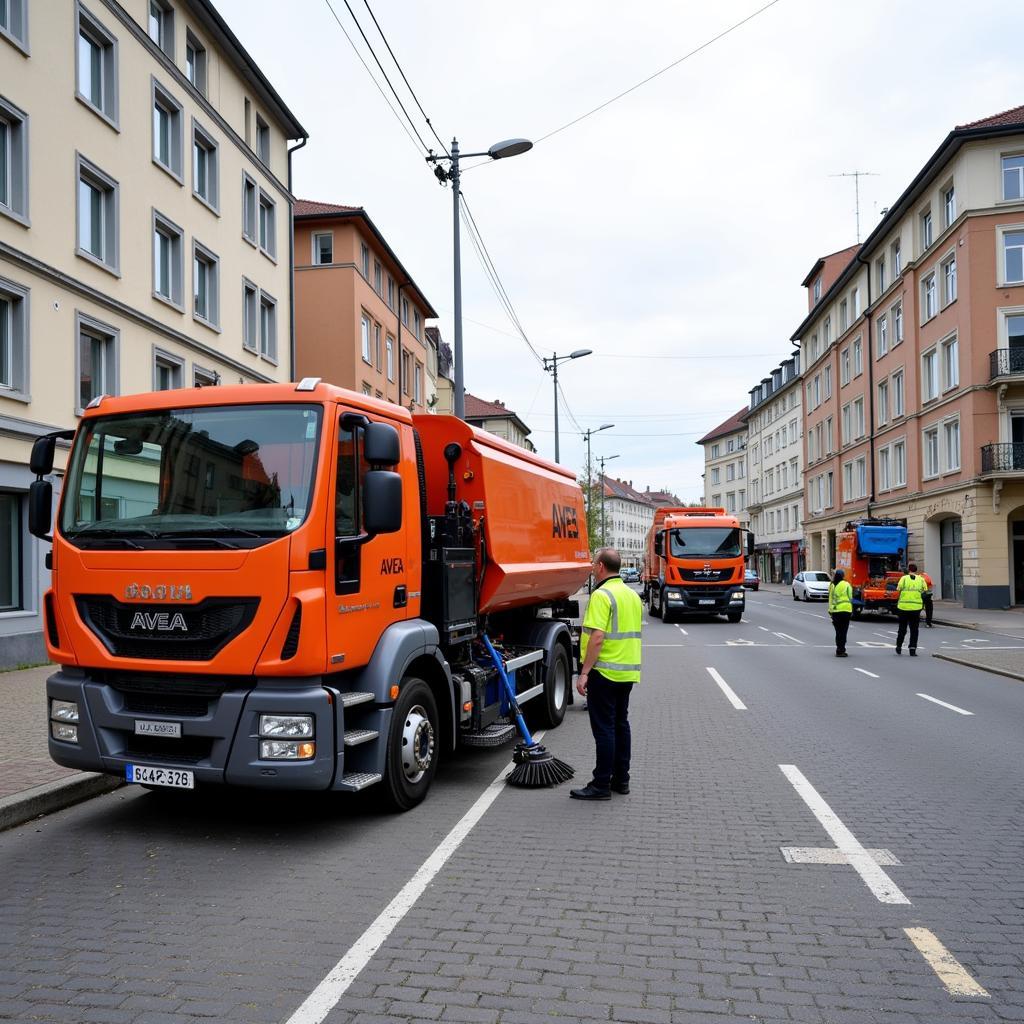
{"x": 872, "y": 553}
{"x": 694, "y": 563}
{"x": 286, "y": 586}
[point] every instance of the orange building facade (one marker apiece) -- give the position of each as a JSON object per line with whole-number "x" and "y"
{"x": 360, "y": 319}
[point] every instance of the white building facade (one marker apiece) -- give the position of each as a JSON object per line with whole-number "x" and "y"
{"x": 627, "y": 518}
{"x": 725, "y": 467}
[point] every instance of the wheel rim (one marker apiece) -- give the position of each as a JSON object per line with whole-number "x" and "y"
{"x": 558, "y": 684}
{"x": 417, "y": 744}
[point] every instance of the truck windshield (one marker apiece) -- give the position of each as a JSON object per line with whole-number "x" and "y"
{"x": 221, "y": 472}
{"x": 705, "y": 542}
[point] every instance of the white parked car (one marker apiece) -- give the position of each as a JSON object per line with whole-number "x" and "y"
{"x": 811, "y": 586}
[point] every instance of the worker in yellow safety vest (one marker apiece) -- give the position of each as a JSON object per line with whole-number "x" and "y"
{"x": 840, "y": 608}
{"x": 911, "y": 589}
{"x": 610, "y": 649}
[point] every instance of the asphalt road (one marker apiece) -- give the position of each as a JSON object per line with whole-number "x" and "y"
{"x": 900, "y": 817}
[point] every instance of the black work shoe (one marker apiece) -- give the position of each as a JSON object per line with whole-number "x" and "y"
{"x": 898, "y": 651}
{"x": 841, "y": 654}
{"x": 589, "y": 793}
{"x": 621, "y": 787}
{"x": 913, "y": 653}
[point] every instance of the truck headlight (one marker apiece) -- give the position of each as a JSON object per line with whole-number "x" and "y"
{"x": 63, "y": 711}
{"x": 64, "y": 732}
{"x": 673, "y": 595}
{"x": 286, "y": 750}
{"x": 737, "y": 595}
{"x": 286, "y": 725}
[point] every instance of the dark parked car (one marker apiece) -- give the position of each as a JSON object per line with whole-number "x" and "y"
{"x": 751, "y": 580}
{"x": 630, "y": 575}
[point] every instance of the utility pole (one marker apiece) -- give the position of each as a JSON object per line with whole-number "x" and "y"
{"x": 856, "y": 175}
{"x": 604, "y": 530}
{"x": 590, "y": 472}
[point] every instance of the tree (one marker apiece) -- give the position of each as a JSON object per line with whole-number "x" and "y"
{"x": 592, "y": 503}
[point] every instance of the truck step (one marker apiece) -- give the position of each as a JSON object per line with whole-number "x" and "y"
{"x": 493, "y": 736}
{"x": 354, "y": 781}
{"x": 353, "y": 737}
{"x": 351, "y": 699}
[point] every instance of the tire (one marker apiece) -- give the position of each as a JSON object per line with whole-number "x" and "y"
{"x": 665, "y": 614}
{"x": 807, "y": 597}
{"x": 655, "y": 612}
{"x": 857, "y": 612}
{"x": 413, "y": 746}
{"x": 735, "y": 616}
{"x": 548, "y": 710}
{"x": 795, "y": 598}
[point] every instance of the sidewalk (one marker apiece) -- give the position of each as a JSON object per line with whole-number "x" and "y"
{"x": 30, "y": 783}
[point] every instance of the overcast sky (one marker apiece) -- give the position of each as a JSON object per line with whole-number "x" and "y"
{"x": 678, "y": 222}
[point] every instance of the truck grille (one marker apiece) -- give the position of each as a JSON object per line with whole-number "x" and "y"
{"x": 187, "y": 750}
{"x": 695, "y": 593}
{"x": 166, "y": 632}
{"x": 705, "y": 575}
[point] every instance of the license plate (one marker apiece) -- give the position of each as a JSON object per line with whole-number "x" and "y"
{"x": 706, "y": 600}
{"x": 168, "y": 729}
{"x": 174, "y": 778}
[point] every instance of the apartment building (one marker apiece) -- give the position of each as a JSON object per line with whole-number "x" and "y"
{"x": 775, "y": 483}
{"x": 144, "y": 231}
{"x": 914, "y": 371}
{"x": 360, "y": 319}
{"x": 725, "y": 466}
{"x": 628, "y": 515}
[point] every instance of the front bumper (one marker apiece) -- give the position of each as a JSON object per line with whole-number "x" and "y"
{"x": 697, "y": 601}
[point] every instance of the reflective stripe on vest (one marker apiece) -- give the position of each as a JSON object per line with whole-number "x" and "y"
{"x": 620, "y": 648}
{"x": 911, "y": 590}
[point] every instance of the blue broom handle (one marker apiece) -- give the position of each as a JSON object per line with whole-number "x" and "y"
{"x": 509, "y": 691}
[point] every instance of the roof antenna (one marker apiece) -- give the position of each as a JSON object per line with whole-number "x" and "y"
{"x": 856, "y": 175}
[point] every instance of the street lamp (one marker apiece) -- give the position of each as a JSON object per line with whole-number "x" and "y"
{"x": 603, "y": 459}
{"x": 590, "y": 476}
{"x": 499, "y": 151}
{"x": 551, "y": 366}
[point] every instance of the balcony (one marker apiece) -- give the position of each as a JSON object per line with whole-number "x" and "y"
{"x": 1006, "y": 362}
{"x": 1002, "y": 458}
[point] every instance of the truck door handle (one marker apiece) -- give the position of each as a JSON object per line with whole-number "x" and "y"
{"x": 401, "y": 596}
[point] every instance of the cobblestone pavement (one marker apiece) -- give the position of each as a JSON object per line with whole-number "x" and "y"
{"x": 673, "y": 904}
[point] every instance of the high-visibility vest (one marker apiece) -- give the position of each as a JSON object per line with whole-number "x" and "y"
{"x": 911, "y": 589}
{"x": 840, "y": 597}
{"x": 615, "y": 610}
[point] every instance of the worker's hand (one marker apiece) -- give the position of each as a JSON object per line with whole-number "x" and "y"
{"x": 581, "y": 684}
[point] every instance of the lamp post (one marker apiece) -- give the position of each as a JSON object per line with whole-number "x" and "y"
{"x": 551, "y": 366}
{"x": 590, "y": 476}
{"x": 500, "y": 150}
{"x": 603, "y": 459}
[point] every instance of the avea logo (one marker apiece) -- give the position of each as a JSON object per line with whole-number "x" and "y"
{"x": 160, "y": 622}
{"x": 391, "y": 567}
{"x": 564, "y": 522}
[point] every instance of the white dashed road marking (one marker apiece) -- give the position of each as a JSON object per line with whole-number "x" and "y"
{"x": 951, "y": 972}
{"x": 860, "y": 859}
{"x": 681, "y": 630}
{"x": 786, "y": 636}
{"x": 952, "y": 707}
{"x": 866, "y": 672}
{"x": 727, "y": 690}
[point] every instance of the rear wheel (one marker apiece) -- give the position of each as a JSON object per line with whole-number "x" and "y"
{"x": 652, "y": 607}
{"x": 735, "y": 616}
{"x": 413, "y": 746}
{"x": 548, "y": 709}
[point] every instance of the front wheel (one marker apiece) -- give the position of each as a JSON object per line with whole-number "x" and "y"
{"x": 795, "y": 598}
{"x": 549, "y": 708}
{"x": 655, "y": 610}
{"x": 413, "y": 746}
{"x": 735, "y": 616}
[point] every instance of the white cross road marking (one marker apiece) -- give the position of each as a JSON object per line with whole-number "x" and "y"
{"x": 873, "y": 643}
{"x": 860, "y": 859}
{"x": 741, "y": 643}
{"x": 952, "y": 707}
{"x": 866, "y": 672}
{"x": 951, "y": 972}
{"x": 830, "y": 855}
{"x": 765, "y": 628}
{"x": 786, "y": 636}
{"x": 727, "y": 690}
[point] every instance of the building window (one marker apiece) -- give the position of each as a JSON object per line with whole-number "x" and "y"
{"x": 195, "y": 62}
{"x": 897, "y": 394}
{"x": 844, "y": 316}
{"x": 268, "y": 327}
{"x": 98, "y": 216}
{"x": 926, "y": 229}
{"x": 364, "y": 325}
{"x": 929, "y": 376}
{"x": 951, "y": 445}
{"x": 391, "y": 292}
{"x": 897, "y": 259}
{"x": 13, "y": 340}
{"x": 405, "y": 312}
{"x": 168, "y": 371}
{"x": 883, "y": 403}
{"x": 167, "y": 131}
{"x": 205, "y": 285}
{"x": 378, "y": 275}
{"x": 826, "y": 331}
{"x": 844, "y": 367}
{"x": 828, "y": 381}
{"x": 930, "y": 452}
{"x": 855, "y": 303}
{"x": 883, "y": 335}
{"x": 950, "y": 363}
{"x": 205, "y": 169}
{"x": 168, "y": 260}
{"x": 364, "y": 259}
{"x": 203, "y": 378}
{"x": 817, "y": 290}
{"x": 97, "y": 65}
{"x": 10, "y": 546}
{"x": 847, "y": 481}
{"x": 844, "y": 429}
{"x": 13, "y": 161}
{"x": 949, "y": 281}
{"x": 858, "y": 419}
{"x": 899, "y": 464}
{"x": 1013, "y": 257}
{"x": 897, "y": 324}
{"x": 928, "y": 302}
{"x": 377, "y": 346}
{"x": 417, "y": 393}
{"x": 858, "y": 357}
{"x": 250, "y": 315}
{"x": 715, "y": 478}
{"x": 1013, "y": 177}
{"x": 249, "y": 194}
{"x": 161, "y": 26}
{"x": 948, "y": 205}
{"x": 263, "y": 140}
{"x": 97, "y": 359}
{"x": 390, "y": 345}
{"x": 14, "y": 23}
{"x": 714, "y": 451}
{"x": 416, "y": 324}
{"x": 323, "y": 249}
{"x": 268, "y": 225}
{"x": 880, "y": 269}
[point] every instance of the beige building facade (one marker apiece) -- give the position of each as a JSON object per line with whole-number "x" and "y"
{"x": 628, "y": 515}
{"x": 145, "y": 226}
{"x": 725, "y": 467}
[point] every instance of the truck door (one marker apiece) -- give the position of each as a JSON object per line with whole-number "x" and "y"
{"x": 368, "y": 574}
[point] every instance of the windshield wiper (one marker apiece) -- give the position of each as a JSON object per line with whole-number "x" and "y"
{"x": 97, "y": 529}
{"x": 217, "y": 530}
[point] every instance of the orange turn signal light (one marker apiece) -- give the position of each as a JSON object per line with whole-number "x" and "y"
{"x": 468, "y": 706}
{"x": 307, "y": 750}
{"x": 394, "y": 693}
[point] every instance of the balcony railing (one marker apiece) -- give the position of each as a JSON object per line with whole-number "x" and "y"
{"x": 1005, "y": 362}
{"x": 1002, "y": 458}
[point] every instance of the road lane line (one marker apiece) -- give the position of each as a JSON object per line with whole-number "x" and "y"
{"x": 884, "y": 888}
{"x": 786, "y": 636}
{"x": 681, "y": 630}
{"x": 327, "y": 994}
{"x": 866, "y": 672}
{"x": 765, "y": 628}
{"x": 951, "y": 972}
{"x": 727, "y": 690}
{"x": 952, "y": 707}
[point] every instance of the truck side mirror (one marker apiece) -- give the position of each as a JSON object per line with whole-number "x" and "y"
{"x": 750, "y": 543}
{"x": 380, "y": 445}
{"x": 40, "y": 504}
{"x": 382, "y": 500}
{"x": 659, "y": 544}
{"x": 41, "y": 460}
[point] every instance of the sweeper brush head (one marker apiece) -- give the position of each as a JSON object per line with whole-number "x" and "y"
{"x": 535, "y": 767}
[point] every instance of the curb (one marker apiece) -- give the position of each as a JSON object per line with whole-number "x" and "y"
{"x": 53, "y": 796}
{"x": 981, "y": 668}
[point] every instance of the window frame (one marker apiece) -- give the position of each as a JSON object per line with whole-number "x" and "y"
{"x": 264, "y": 201}
{"x": 203, "y": 139}
{"x": 315, "y": 252}
{"x": 883, "y": 390}
{"x": 366, "y": 337}
{"x": 927, "y": 228}
{"x": 250, "y": 319}
{"x": 899, "y": 476}
{"x": 16, "y": 32}
{"x": 267, "y": 301}
{"x": 19, "y": 556}
{"x": 206, "y": 255}
{"x": 898, "y": 326}
{"x": 949, "y": 274}
{"x": 1003, "y": 157}
{"x": 166, "y": 18}
{"x": 948, "y": 196}
{"x": 898, "y": 379}
{"x": 111, "y": 337}
{"x": 389, "y": 349}
{"x": 262, "y": 140}
{"x": 882, "y": 335}
{"x": 164, "y": 225}
{"x": 161, "y": 96}
{"x": 18, "y": 297}
{"x": 17, "y": 155}
{"x": 86, "y": 23}
{"x": 929, "y": 297}
{"x": 203, "y": 371}
{"x": 930, "y": 377}
{"x": 85, "y": 169}
{"x": 926, "y": 432}
{"x": 949, "y": 382}
{"x": 1001, "y": 234}
{"x": 857, "y": 355}
{"x": 201, "y": 79}
{"x": 173, "y": 362}
{"x": 250, "y": 190}
{"x": 946, "y": 462}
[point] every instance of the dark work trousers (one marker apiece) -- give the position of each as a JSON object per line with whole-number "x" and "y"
{"x": 841, "y": 624}
{"x": 929, "y": 609}
{"x": 608, "y": 706}
{"x": 913, "y": 620}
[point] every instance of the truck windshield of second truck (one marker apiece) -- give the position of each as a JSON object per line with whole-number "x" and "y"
{"x": 705, "y": 542}
{"x": 236, "y": 475}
